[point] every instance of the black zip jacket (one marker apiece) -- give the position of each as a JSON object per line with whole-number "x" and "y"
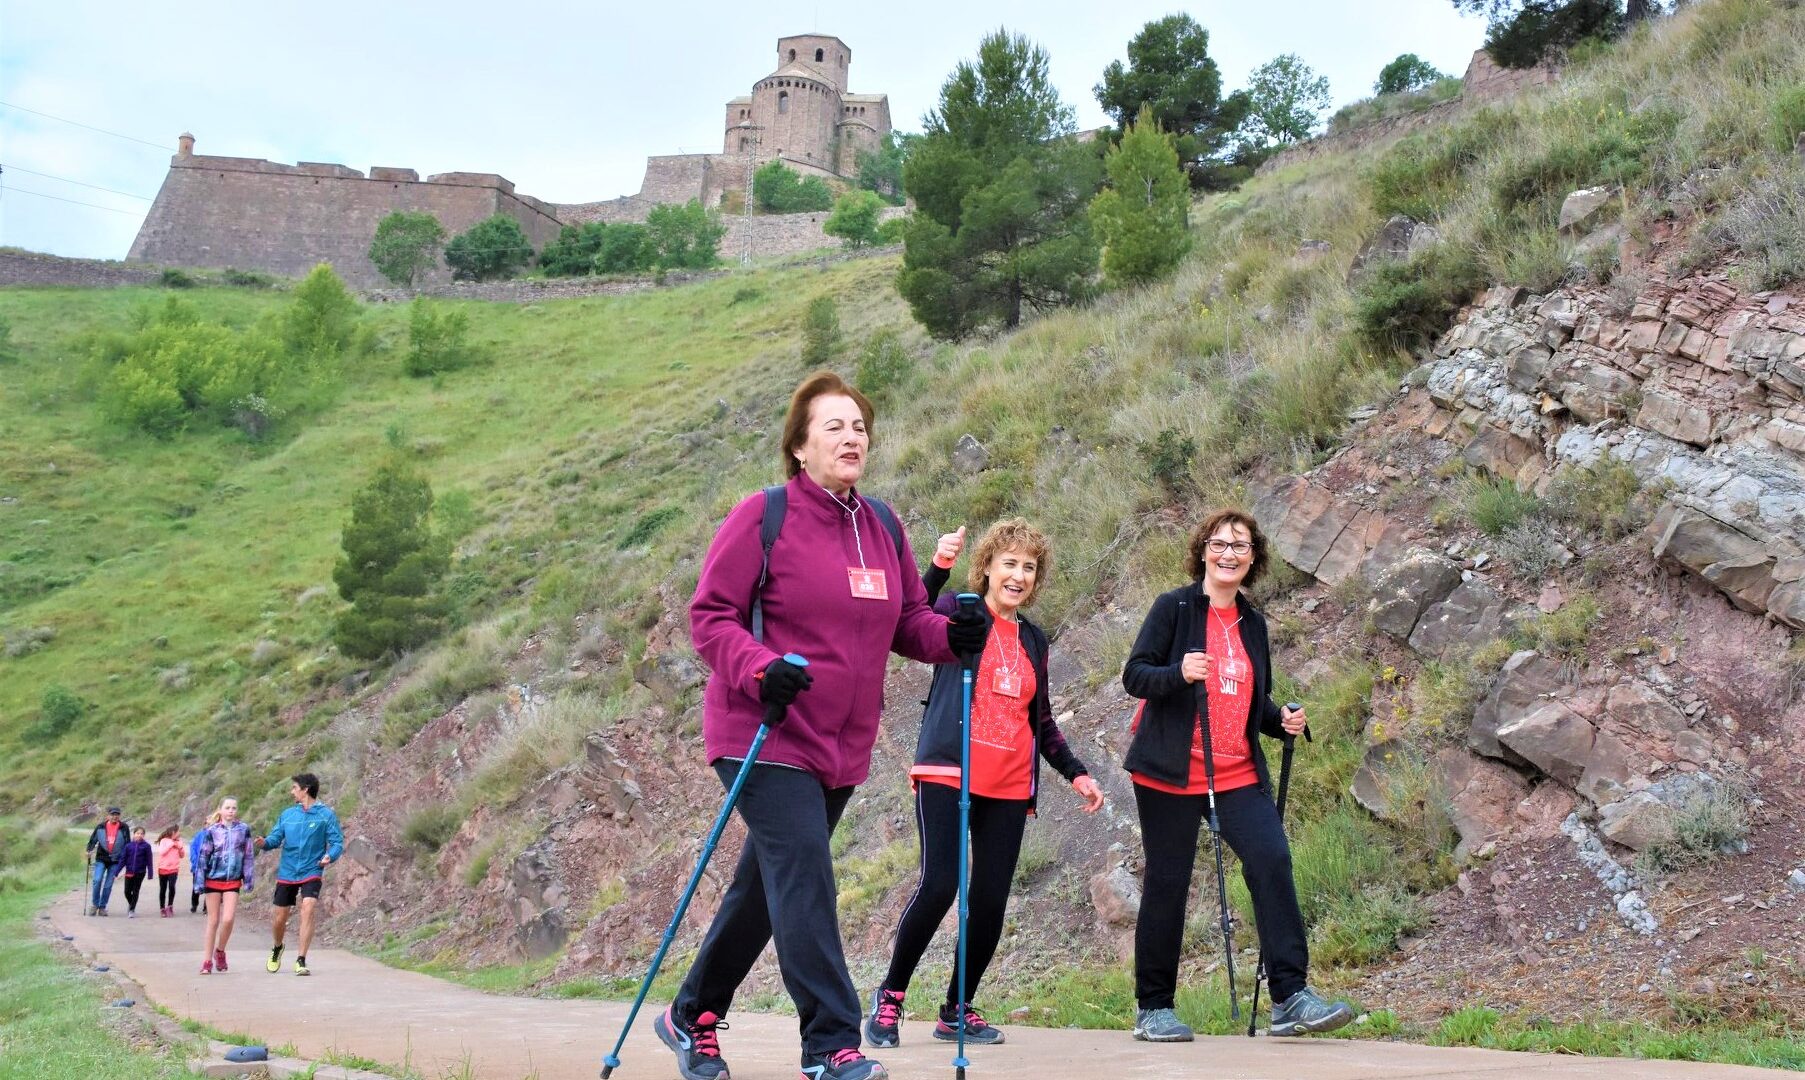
{"x": 1161, "y": 748}
{"x": 97, "y": 843}
{"x": 939, "y": 742}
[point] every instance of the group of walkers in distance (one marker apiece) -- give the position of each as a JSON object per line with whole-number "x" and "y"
{"x": 222, "y": 867}
{"x": 817, "y": 569}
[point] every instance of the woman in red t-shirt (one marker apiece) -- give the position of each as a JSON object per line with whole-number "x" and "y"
{"x": 1011, "y": 728}
{"x": 1202, "y": 657}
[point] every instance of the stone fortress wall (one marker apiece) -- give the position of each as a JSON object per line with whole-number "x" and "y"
{"x": 253, "y": 214}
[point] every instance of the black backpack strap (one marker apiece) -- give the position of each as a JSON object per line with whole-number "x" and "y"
{"x": 777, "y": 498}
{"x": 888, "y": 517}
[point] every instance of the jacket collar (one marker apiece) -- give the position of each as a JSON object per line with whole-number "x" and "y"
{"x": 805, "y": 492}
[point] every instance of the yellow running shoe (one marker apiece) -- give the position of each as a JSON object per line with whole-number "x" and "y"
{"x": 301, "y": 968}
{"x": 275, "y": 960}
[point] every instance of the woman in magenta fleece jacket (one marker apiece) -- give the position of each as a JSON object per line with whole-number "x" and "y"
{"x": 842, "y": 592}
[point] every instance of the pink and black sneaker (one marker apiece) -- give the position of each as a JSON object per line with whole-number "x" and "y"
{"x": 885, "y": 1026}
{"x": 847, "y": 1064}
{"x": 976, "y": 1030}
{"x": 698, "y": 1050}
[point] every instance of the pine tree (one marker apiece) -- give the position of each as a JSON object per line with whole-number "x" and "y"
{"x": 390, "y": 564}
{"x": 1141, "y": 216}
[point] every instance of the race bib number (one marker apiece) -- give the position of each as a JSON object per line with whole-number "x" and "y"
{"x": 867, "y": 584}
{"x": 1006, "y": 683}
{"x": 1230, "y": 673}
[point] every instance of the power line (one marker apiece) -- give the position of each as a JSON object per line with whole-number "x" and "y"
{"x": 77, "y": 202}
{"x": 77, "y": 183}
{"x": 90, "y": 127}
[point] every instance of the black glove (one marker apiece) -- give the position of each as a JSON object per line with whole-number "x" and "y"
{"x": 966, "y": 632}
{"x": 781, "y": 682}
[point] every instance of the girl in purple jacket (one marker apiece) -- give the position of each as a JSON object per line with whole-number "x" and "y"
{"x": 841, "y": 591}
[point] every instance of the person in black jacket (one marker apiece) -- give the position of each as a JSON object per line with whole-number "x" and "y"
{"x": 1011, "y": 728}
{"x": 1202, "y": 657}
{"x": 106, "y": 844}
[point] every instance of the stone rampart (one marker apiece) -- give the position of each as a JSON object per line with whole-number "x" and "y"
{"x": 218, "y": 212}
{"x": 33, "y": 268}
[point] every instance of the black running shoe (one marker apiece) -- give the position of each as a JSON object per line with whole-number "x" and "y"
{"x": 847, "y": 1064}
{"x": 885, "y": 1026}
{"x": 976, "y": 1029}
{"x": 698, "y": 1051}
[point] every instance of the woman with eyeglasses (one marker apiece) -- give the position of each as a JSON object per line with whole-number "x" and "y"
{"x": 1202, "y": 657}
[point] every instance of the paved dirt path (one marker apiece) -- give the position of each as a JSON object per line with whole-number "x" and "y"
{"x": 358, "y": 1006}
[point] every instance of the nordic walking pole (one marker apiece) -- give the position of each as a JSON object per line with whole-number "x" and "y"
{"x": 87, "y": 887}
{"x": 773, "y": 715}
{"x": 968, "y": 663}
{"x": 1209, "y": 786}
{"x": 1284, "y": 789}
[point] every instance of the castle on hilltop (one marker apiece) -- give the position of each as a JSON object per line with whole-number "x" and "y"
{"x": 254, "y": 214}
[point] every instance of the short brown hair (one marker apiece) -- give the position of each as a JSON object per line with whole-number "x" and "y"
{"x": 795, "y": 422}
{"x": 1207, "y": 528}
{"x": 1017, "y": 535}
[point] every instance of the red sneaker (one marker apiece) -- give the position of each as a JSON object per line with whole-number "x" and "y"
{"x": 219, "y": 960}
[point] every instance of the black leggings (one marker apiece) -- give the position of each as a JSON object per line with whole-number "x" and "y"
{"x": 1170, "y": 826}
{"x": 996, "y": 843}
{"x": 165, "y": 891}
{"x": 133, "y": 883}
{"x": 782, "y": 890}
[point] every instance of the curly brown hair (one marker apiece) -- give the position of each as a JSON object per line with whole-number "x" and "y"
{"x": 1014, "y": 534}
{"x": 802, "y": 402}
{"x": 1207, "y": 528}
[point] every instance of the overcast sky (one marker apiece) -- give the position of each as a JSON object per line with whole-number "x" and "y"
{"x": 565, "y": 100}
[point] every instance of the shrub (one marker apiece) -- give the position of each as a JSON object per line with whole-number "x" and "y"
{"x": 686, "y": 236}
{"x": 390, "y": 564}
{"x": 58, "y": 710}
{"x": 1764, "y": 225}
{"x": 1494, "y": 505}
{"x": 574, "y": 250}
{"x": 321, "y": 319}
{"x": 494, "y": 249}
{"x": 1561, "y": 634}
{"x": 172, "y": 372}
{"x": 437, "y": 338}
{"x": 626, "y": 248}
{"x": 890, "y": 230}
{"x": 1593, "y": 143}
{"x": 247, "y": 279}
{"x": 406, "y": 245}
{"x": 1786, "y": 118}
{"x": 1168, "y": 456}
{"x": 779, "y": 189}
{"x": 1713, "y": 820}
{"x": 854, "y": 219}
{"x": 171, "y": 278}
{"x": 1528, "y": 548}
{"x": 429, "y": 827}
{"x": 1407, "y": 305}
{"x": 822, "y": 342}
{"x": 883, "y": 365}
{"x": 1605, "y": 499}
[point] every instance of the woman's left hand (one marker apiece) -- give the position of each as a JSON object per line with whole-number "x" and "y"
{"x": 1293, "y": 721}
{"x": 1088, "y": 790}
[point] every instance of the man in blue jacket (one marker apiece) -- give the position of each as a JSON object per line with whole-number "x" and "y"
{"x": 309, "y": 838}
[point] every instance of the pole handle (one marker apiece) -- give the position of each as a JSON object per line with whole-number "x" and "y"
{"x": 773, "y": 711}
{"x": 968, "y": 609}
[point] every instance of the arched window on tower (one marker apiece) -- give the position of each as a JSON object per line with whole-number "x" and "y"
{"x": 792, "y": 54}
{"x": 819, "y": 54}
{"x": 783, "y": 101}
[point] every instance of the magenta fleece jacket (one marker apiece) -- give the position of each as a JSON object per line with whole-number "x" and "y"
{"x": 810, "y": 610}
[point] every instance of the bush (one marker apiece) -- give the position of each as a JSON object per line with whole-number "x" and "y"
{"x": 1168, "y": 456}
{"x": 406, "y": 245}
{"x": 1786, "y": 118}
{"x": 1713, "y": 820}
{"x": 684, "y": 237}
{"x": 58, "y": 711}
{"x": 1561, "y": 634}
{"x": 172, "y": 278}
{"x": 429, "y": 827}
{"x": 1764, "y": 226}
{"x": 822, "y": 342}
{"x": 1605, "y": 499}
{"x": 854, "y": 219}
{"x": 1595, "y": 143}
{"x": 779, "y": 189}
{"x": 247, "y": 279}
{"x": 171, "y": 372}
{"x": 437, "y": 338}
{"x": 493, "y": 249}
{"x": 1406, "y": 305}
{"x": 890, "y": 230}
{"x": 625, "y": 248}
{"x": 320, "y": 321}
{"x": 883, "y": 365}
{"x": 1494, "y": 505}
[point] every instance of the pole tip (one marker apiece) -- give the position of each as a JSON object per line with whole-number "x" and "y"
{"x": 608, "y": 1065}
{"x": 795, "y": 659}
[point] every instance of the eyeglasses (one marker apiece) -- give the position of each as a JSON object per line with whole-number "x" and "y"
{"x": 1218, "y": 547}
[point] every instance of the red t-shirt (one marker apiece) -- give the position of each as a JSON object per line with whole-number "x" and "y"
{"x": 112, "y": 833}
{"x": 1002, "y": 735}
{"x": 1231, "y": 701}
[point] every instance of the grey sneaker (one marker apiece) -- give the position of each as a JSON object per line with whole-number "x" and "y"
{"x": 1160, "y": 1025}
{"x": 1306, "y": 1013}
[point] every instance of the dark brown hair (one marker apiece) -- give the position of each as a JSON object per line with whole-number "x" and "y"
{"x": 1013, "y": 534}
{"x": 1207, "y": 528}
{"x": 795, "y": 422}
